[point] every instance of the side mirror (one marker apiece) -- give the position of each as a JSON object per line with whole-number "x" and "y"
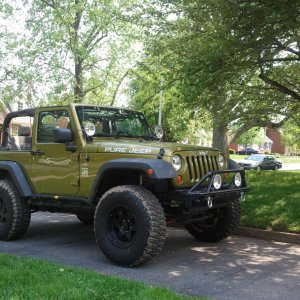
{"x": 62, "y": 135}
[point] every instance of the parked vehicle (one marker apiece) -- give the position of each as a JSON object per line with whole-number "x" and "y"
{"x": 106, "y": 166}
{"x": 247, "y": 151}
{"x": 260, "y": 162}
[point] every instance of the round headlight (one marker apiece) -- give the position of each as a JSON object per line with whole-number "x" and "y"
{"x": 217, "y": 181}
{"x": 238, "y": 179}
{"x": 221, "y": 160}
{"x": 176, "y": 162}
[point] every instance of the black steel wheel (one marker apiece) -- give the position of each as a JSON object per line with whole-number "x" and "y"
{"x": 217, "y": 224}
{"x": 121, "y": 227}
{"x": 14, "y": 212}
{"x": 130, "y": 225}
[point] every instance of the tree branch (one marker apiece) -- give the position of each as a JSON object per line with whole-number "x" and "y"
{"x": 50, "y": 3}
{"x": 289, "y": 49}
{"x": 118, "y": 86}
{"x": 257, "y": 123}
{"x": 279, "y": 87}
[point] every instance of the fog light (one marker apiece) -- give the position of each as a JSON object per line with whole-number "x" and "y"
{"x": 217, "y": 181}
{"x": 238, "y": 179}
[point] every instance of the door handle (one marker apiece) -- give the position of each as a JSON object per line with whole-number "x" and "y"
{"x": 37, "y": 152}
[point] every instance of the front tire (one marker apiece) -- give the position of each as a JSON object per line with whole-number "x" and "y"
{"x": 130, "y": 225}
{"x": 218, "y": 224}
{"x": 14, "y": 212}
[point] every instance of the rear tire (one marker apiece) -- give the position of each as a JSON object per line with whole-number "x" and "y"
{"x": 220, "y": 224}
{"x": 14, "y": 212}
{"x": 130, "y": 225}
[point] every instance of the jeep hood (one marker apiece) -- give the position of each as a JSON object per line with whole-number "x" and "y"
{"x": 133, "y": 146}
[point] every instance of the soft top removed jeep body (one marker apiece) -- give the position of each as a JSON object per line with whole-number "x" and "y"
{"x": 105, "y": 165}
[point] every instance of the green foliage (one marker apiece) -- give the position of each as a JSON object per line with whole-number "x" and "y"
{"x": 224, "y": 57}
{"x": 79, "y": 48}
{"x": 291, "y": 133}
{"x": 179, "y": 120}
{"x": 10, "y": 79}
{"x": 254, "y": 135}
{"x": 23, "y": 278}
{"x": 273, "y": 201}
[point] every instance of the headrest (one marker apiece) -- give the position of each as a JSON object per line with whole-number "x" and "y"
{"x": 24, "y": 130}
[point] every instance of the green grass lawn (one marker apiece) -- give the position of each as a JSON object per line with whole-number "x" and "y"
{"x": 273, "y": 201}
{"x": 282, "y": 158}
{"x": 24, "y": 278}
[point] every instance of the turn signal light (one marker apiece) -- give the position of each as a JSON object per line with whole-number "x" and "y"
{"x": 179, "y": 179}
{"x": 150, "y": 172}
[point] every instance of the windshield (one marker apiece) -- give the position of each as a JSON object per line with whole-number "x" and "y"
{"x": 114, "y": 122}
{"x": 255, "y": 157}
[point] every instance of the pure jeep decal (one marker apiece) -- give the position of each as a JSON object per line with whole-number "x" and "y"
{"x": 128, "y": 150}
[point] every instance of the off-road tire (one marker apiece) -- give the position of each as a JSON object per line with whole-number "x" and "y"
{"x": 130, "y": 225}
{"x": 225, "y": 222}
{"x": 14, "y": 212}
{"x": 86, "y": 218}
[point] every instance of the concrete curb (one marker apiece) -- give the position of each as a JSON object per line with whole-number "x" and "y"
{"x": 284, "y": 237}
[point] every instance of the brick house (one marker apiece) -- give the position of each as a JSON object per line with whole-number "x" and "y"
{"x": 276, "y": 136}
{"x": 272, "y": 143}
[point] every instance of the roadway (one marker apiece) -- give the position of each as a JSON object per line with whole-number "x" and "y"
{"x": 237, "y": 268}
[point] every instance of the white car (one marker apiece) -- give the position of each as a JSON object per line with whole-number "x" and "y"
{"x": 260, "y": 162}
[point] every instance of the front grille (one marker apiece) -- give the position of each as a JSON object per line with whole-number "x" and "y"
{"x": 199, "y": 165}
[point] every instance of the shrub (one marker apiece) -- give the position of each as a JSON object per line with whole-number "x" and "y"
{"x": 231, "y": 151}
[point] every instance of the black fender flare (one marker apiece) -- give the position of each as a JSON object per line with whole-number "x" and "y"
{"x": 18, "y": 177}
{"x": 161, "y": 170}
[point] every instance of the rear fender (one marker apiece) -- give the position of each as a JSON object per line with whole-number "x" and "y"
{"x": 17, "y": 175}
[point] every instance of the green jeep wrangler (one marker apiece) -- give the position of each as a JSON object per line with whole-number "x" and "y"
{"x": 106, "y": 166}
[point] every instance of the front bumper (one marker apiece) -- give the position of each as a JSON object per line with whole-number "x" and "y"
{"x": 203, "y": 196}
{"x": 248, "y": 167}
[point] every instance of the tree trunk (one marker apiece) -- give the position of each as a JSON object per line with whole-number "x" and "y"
{"x": 78, "y": 88}
{"x": 220, "y": 135}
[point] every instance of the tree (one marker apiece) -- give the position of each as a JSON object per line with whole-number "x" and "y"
{"x": 291, "y": 133}
{"x": 79, "y": 46}
{"x": 179, "y": 120}
{"x": 218, "y": 61}
{"x": 254, "y": 135}
{"x": 10, "y": 82}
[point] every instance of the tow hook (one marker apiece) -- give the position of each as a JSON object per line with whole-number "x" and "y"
{"x": 209, "y": 202}
{"x": 243, "y": 197}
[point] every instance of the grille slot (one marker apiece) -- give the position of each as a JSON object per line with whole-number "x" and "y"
{"x": 198, "y": 166}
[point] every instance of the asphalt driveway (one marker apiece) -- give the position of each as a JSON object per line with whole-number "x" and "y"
{"x": 237, "y": 268}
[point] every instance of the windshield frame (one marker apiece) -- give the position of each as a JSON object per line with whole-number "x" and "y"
{"x": 110, "y": 116}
